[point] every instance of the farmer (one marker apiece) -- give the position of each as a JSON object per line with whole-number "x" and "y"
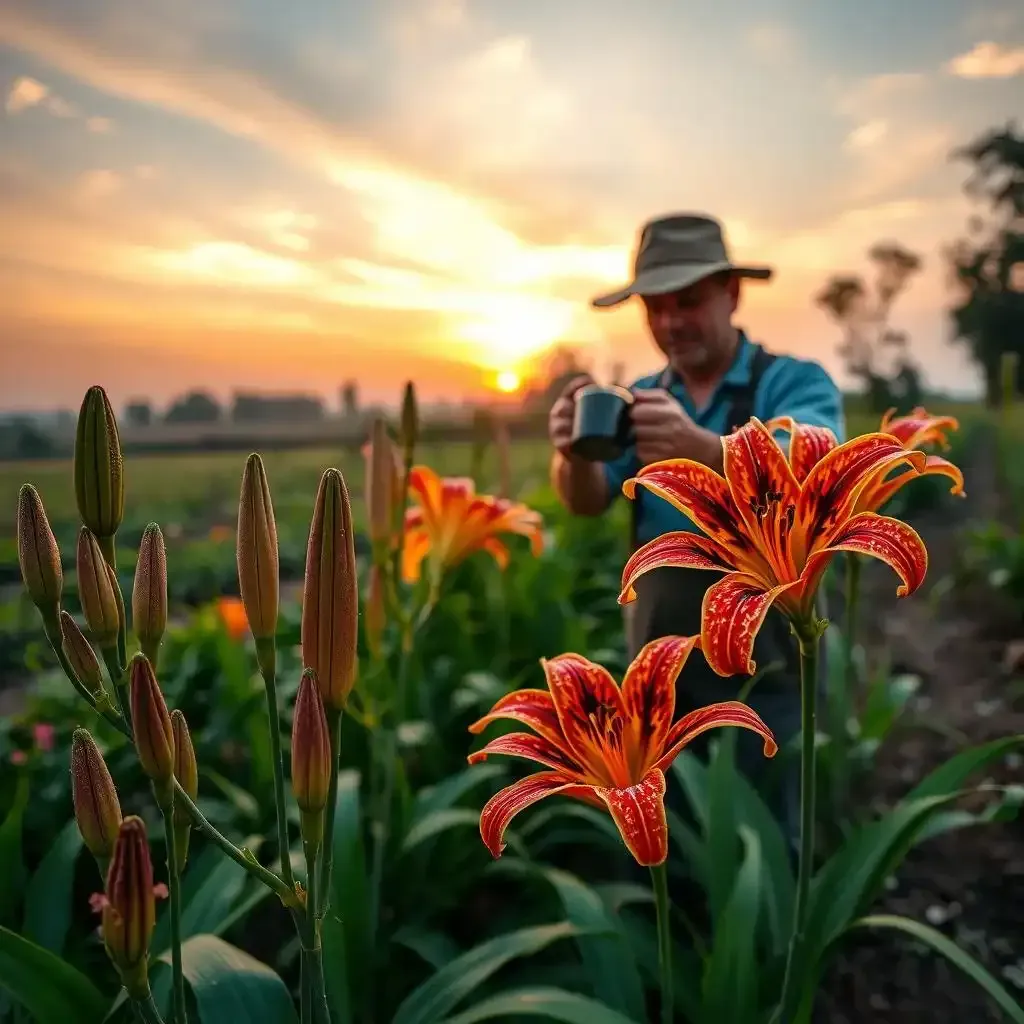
{"x": 714, "y": 378}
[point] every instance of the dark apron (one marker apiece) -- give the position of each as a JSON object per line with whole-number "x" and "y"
{"x": 669, "y": 602}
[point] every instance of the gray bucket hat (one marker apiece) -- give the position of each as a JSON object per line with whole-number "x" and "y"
{"x": 674, "y": 252}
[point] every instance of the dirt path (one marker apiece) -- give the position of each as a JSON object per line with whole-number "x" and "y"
{"x": 969, "y": 884}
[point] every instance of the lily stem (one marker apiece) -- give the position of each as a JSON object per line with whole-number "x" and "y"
{"x": 266, "y": 653}
{"x": 147, "y": 1009}
{"x": 327, "y": 857}
{"x": 809, "y": 640}
{"x": 659, "y": 876}
{"x": 178, "y": 1015}
{"x": 312, "y": 954}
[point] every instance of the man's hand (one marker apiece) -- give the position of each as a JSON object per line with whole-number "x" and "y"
{"x": 562, "y": 412}
{"x": 664, "y": 430}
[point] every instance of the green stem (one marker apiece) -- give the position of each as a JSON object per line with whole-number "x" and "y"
{"x": 178, "y": 1015}
{"x": 120, "y": 682}
{"x": 56, "y": 640}
{"x": 852, "y": 609}
{"x": 327, "y": 860}
{"x": 146, "y": 1009}
{"x": 244, "y": 859}
{"x": 312, "y": 953}
{"x": 266, "y": 653}
{"x": 809, "y": 639}
{"x": 659, "y": 876}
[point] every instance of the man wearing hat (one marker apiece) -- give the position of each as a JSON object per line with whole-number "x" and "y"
{"x": 714, "y": 379}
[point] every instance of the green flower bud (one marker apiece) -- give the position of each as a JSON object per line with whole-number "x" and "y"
{"x": 99, "y": 467}
{"x": 97, "y": 591}
{"x": 38, "y": 554}
{"x": 149, "y": 593}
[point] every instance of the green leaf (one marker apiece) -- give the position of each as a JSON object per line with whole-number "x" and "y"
{"x": 435, "y": 947}
{"x": 49, "y": 893}
{"x": 345, "y": 931}
{"x": 951, "y": 776}
{"x": 731, "y": 975}
{"x": 228, "y": 984}
{"x": 449, "y": 986}
{"x": 48, "y": 987}
{"x": 953, "y": 953}
{"x": 12, "y": 866}
{"x": 439, "y": 821}
{"x": 449, "y": 791}
{"x": 550, "y": 1003}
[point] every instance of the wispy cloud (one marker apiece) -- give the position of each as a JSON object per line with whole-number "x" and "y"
{"x": 988, "y": 60}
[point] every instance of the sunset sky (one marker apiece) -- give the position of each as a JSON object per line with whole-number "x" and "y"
{"x": 283, "y": 195}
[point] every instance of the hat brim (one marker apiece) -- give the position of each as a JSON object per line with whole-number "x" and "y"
{"x": 664, "y": 280}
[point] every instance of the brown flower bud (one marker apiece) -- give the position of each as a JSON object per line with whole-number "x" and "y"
{"x": 311, "y": 757}
{"x": 383, "y": 482}
{"x": 149, "y": 592}
{"x": 154, "y": 737}
{"x": 375, "y": 616}
{"x": 97, "y": 810}
{"x": 257, "y": 553}
{"x": 99, "y": 467}
{"x": 80, "y": 655}
{"x": 330, "y": 598}
{"x": 129, "y": 913}
{"x": 186, "y": 771}
{"x": 38, "y": 554}
{"x": 410, "y": 421}
{"x": 97, "y": 590}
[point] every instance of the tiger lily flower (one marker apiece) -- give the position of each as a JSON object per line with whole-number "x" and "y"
{"x": 606, "y": 746}
{"x": 808, "y": 444}
{"x": 449, "y": 521}
{"x": 773, "y": 530}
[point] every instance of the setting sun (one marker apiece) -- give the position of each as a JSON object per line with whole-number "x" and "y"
{"x": 508, "y": 381}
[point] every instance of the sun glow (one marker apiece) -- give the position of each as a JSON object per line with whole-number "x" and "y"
{"x": 508, "y": 382}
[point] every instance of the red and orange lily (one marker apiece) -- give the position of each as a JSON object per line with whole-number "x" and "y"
{"x": 808, "y": 444}
{"x": 605, "y": 746}
{"x": 450, "y": 521}
{"x": 773, "y": 530}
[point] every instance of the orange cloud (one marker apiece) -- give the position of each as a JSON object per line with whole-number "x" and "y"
{"x": 988, "y": 60}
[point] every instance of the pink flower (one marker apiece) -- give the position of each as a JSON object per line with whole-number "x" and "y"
{"x": 43, "y": 733}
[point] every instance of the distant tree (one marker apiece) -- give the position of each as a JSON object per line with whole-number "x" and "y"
{"x": 874, "y": 353}
{"x": 988, "y": 267}
{"x": 195, "y": 407}
{"x": 350, "y": 399}
{"x": 139, "y": 414}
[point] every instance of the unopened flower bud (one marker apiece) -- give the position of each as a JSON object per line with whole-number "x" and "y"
{"x": 154, "y": 737}
{"x": 99, "y": 467}
{"x": 257, "y": 553}
{"x": 80, "y": 655}
{"x": 311, "y": 757}
{"x": 38, "y": 554}
{"x": 97, "y": 590}
{"x": 375, "y": 615}
{"x": 149, "y": 592}
{"x": 129, "y": 913}
{"x": 410, "y": 421}
{"x": 383, "y": 483}
{"x": 330, "y": 598}
{"x": 186, "y": 771}
{"x": 97, "y": 810}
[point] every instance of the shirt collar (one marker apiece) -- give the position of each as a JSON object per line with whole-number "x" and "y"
{"x": 737, "y": 375}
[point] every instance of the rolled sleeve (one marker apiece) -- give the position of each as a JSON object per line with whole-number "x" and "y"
{"x": 618, "y": 471}
{"x": 805, "y": 391}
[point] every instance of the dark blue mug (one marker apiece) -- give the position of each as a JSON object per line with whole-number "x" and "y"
{"x": 602, "y": 427}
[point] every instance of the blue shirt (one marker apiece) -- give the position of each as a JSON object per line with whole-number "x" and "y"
{"x": 800, "y": 388}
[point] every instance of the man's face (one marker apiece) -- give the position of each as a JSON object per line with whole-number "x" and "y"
{"x": 693, "y": 327}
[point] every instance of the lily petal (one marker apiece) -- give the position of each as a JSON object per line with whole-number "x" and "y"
{"x": 639, "y": 814}
{"x": 426, "y": 485}
{"x": 878, "y": 493}
{"x": 701, "y": 494}
{"x": 730, "y": 712}
{"x": 919, "y": 427}
{"x": 415, "y": 546}
{"x": 764, "y": 491}
{"x": 834, "y": 484}
{"x": 590, "y": 709}
{"x": 535, "y": 748}
{"x": 508, "y": 802}
{"x": 679, "y": 549}
{"x": 732, "y": 612}
{"x": 889, "y": 540}
{"x": 649, "y": 694}
{"x": 498, "y": 549}
{"x": 808, "y": 444}
{"x": 534, "y": 708}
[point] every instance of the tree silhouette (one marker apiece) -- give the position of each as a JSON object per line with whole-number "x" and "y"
{"x": 988, "y": 268}
{"x": 863, "y": 314}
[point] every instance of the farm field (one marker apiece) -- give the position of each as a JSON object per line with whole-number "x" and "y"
{"x": 919, "y": 758}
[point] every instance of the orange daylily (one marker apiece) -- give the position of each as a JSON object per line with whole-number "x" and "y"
{"x": 607, "y": 746}
{"x": 450, "y": 521}
{"x": 232, "y": 614}
{"x": 773, "y": 531}
{"x": 808, "y": 444}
